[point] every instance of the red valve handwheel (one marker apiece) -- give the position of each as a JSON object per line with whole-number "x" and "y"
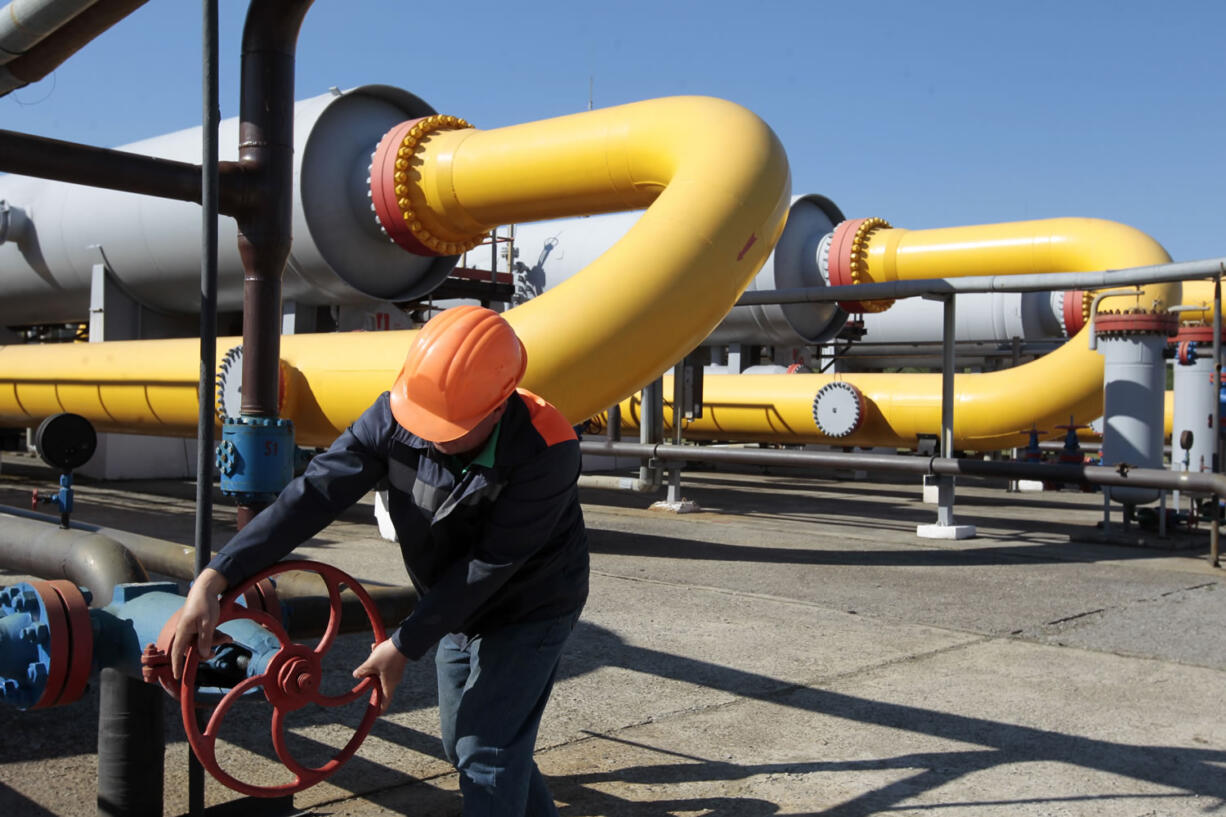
{"x": 290, "y": 682}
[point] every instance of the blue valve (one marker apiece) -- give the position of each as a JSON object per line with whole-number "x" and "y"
{"x": 256, "y": 457}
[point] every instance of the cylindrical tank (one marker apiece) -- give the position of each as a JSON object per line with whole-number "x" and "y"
{"x": 909, "y": 334}
{"x": 1196, "y": 400}
{"x": 550, "y": 252}
{"x": 56, "y": 232}
{"x": 1134, "y": 383}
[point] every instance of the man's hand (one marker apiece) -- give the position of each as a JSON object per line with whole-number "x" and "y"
{"x": 387, "y": 663}
{"x": 197, "y": 620}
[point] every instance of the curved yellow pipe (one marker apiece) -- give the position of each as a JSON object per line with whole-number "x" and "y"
{"x": 715, "y": 177}
{"x": 992, "y": 410}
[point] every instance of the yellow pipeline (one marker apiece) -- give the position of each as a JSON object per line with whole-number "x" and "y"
{"x": 991, "y": 409}
{"x": 715, "y": 177}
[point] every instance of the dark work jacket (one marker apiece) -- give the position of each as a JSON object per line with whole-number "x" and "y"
{"x": 491, "y": 545}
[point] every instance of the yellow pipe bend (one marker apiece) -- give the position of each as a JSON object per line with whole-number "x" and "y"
{"x": 716, "y": 179}
{"x": 993, "y": 409}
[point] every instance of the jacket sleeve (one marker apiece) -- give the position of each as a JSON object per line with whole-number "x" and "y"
{"x": 521, "y": 521}
{"x": 333, "y": 481}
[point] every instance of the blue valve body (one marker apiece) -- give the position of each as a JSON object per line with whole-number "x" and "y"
{"x": 256, "y": 457}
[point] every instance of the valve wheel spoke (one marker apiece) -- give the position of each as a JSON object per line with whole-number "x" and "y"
{"x": 223, "y": 706}
{"x": 368, "y": 684}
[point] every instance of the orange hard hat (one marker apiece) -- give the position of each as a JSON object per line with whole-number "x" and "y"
{"x": 463, "y": 363}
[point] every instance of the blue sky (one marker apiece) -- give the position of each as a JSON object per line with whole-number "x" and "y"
{"x": 928, "y": 114}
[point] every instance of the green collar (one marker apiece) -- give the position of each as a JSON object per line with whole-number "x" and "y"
{"x": 485, "y": 458}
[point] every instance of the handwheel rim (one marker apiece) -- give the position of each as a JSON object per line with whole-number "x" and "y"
{"x": 291, "y": 679}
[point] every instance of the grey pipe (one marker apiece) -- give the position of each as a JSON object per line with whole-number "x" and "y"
{"x": 303, "y": 591}
{"x": 88, "y": 559}
{"x": 1121, "y": 474}
{"x": 25, "y": 23}
{"x": 63, "y": 42}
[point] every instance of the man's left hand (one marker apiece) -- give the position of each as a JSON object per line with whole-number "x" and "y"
{"x": 387, "y": 663}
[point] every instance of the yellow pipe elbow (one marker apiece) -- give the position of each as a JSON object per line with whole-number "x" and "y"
{"x": 714, "y": 179}
{"x": 717, "y": 181}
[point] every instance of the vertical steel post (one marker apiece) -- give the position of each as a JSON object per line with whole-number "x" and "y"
{"x": 613, "y": 429}
{"x": 945, "y": 484}
{"x": 674, "y": 470}
{"x": 651, "y": 423}
{"x": 1214, "y": 530}
{"x": 209, "y": 183}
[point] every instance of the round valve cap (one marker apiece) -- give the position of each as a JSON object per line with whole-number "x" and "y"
{"x": 838, "y": 409}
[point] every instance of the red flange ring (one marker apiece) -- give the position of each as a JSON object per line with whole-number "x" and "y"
{"x": 1074, "y": 311}
{"x": 81, "y": 640}
{"x": 290, "y": 680}
{"x": 57, "y": 625}
{"x": 1136, "y": 323}
{"x": 1197, "y": 334}
{"x": 841, "y": 264}
{"x": 840, "y": 252}
{"x": 383, "y": 190}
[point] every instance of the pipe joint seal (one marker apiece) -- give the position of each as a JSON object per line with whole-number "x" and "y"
{"x": 396, "y": 196}
{"x": 849, "y": 260}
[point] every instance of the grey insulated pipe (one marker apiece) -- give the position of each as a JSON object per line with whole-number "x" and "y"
{"x": 63, "y": 27}
{"x": 25, "y": 23}
{"x": 303, "y": 593}
{"x": 87, "y": 559}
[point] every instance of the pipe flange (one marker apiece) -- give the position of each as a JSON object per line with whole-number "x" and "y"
{"x": 397, "y": 203}
{"x": 49, "y": 639}
{"x": 1074, "y": 312}
{"x": 1196, "y": 334}
{"x": 1135, "y": 324}
{"x": 838, "y": 409}
{"x": 848, "y": 260}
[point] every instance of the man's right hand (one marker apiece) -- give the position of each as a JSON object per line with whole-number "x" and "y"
{"x": 198, "y": 620}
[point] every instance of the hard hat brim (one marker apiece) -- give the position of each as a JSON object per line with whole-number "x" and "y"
{"x": 424, "y": 423}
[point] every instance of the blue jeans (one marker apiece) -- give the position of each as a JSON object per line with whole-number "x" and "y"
{"x": 491, "y": 694}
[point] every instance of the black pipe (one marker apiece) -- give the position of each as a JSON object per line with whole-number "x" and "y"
{"x": 72, "y": 162}
{"x": 98, "y": 167}
{"x": 131, "y": 746}
{"x": 209, "y": 183}
{"x": 266, "y": 153}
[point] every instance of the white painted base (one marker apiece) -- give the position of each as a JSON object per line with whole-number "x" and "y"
{"x": 1029, "y": 486}
{"x": 383, "y": 518}
{"x": 945, "y": 531}
{"x": 138, "y": 456}
{"x": 684, "y": 506}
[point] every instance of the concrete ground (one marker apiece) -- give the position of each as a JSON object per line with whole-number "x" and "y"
{"x": 792, "y": 649}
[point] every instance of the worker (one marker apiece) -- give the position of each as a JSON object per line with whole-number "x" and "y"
{"x": 481, "y": 479}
